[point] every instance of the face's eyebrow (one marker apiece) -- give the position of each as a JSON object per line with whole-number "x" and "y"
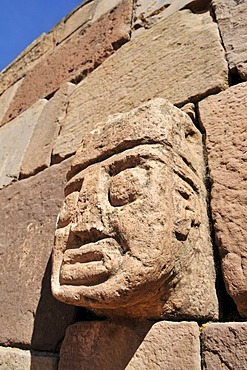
{"x": 74, "y": 184}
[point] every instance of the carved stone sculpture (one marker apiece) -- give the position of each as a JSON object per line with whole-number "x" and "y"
{"x": 132, "y": 237}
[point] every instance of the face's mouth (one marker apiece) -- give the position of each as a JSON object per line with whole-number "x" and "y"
{"x": 91, "y": 264}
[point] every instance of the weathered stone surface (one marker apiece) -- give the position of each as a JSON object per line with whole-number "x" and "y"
{"x": 126, "y": 245}
{"x": 109, "y": 345}
{"x": 25, "y": 61}
{"x": 6, "y": 99}
{"x": 232, "y": 21}
{"x": 14, "y": 140}
{"x": 224, "y": 118}
{"x": 224, "y": 346}
{"x": 38, "y": 153}
{"x": 17, "y": 359}
{"x": 176, "y": 67}
{"x": 29, "y": 315}
{"x": 75, "y": 58}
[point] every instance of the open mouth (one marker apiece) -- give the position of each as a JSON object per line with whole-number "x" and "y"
{"x": 90, "y": 264}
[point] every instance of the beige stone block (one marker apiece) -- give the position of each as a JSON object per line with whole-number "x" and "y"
{"x": 29, "y": 315}
{"x": 224, "y": 346}
{"x": 17, "y": 359}
{"x": 110, "y": 345}
{"x": 6, "y": 99}
{"x": 126, "y": 244}
{"x": 167, "y": 61}
{"x": 75, "y": 58}
{"x": 14, "y": 140}
{"x": 103, "y": 7}
{"x": 224, "y": 119}
{"x": 232, "y": 21}
{"x": 38, "y": 153}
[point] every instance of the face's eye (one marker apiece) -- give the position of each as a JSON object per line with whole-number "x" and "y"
{"x": 127, "y": 185}
{"x": 68, "y": 207}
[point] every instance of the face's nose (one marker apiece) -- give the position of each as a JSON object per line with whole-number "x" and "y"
{"x": 92, "y": 210}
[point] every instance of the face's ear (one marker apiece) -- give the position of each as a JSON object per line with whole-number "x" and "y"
{"x": 187, "y": 209}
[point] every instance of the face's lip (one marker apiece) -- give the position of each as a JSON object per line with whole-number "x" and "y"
{"x": 90, "y": 264}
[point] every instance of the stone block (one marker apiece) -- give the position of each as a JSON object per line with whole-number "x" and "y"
{"x": 75, "y": 58}
{"x": 224, "y": 119}
{"x": 29, "y": 315}
{"x": 6, "y": 99}
{"x": 224, "y": 346}
{"x": 14, "y": 140}
{"x": 232, "y": 22}
{"x": 126, "y": 245}
{"x": 38, "y": 153}
{"x": 14, "y": 358}
{"x": 130, "y": 345}
{"x": 167, "y": 61}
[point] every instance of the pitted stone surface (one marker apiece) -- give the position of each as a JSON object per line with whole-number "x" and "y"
{"x": 167, "y": 61}
{"x": 109, "y": 345}
{"x": 75, "y": 58}
{"x": 15, "y": 138}
{"x": 224, "y": 119}
{"x": 38, "y": 154}
{"x": 17, "y": 359}
{"x": 29, "y": 315}
{"x": 224, "y": 346}
{"x": 232, "y": 21}
{"x": 133, "y": 237}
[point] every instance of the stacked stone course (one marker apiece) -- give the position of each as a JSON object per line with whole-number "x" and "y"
{"x": 105, "y": 58}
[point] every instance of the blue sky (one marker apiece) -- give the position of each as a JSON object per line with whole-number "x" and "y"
{"x": 22, "y": 21}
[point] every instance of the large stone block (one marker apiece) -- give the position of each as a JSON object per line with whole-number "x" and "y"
{"x": 38, "y": 153}
{"x": 224, "y": 346}
{"x": 167, "y": 61}
{"x": 17, "y": 359}
{"x": 232, "y": 21}
{"x": 14, "y": 140}
{"x": 6, "y": 99}
{"x": 29, "y": 315}
{"x": 133, "y": 234}
{"x": 224, "y": 119}
{"x": 109, "y": 345}
{"x": 75, "y": 58}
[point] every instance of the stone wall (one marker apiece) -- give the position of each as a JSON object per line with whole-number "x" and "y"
{"x": 109, "y": 57}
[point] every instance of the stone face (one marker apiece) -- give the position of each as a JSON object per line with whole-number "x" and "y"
{"x": 75, "y": 58}
{"x": 232, "y": 21}
{"x": 45, "y": 132}
{"x": 6, "y": 99}
{"x": 29, "y": 315}
{"x": 224, "y": 346}
{"x": 167, "y": 61}
{"x": 145, "y": 168}
{"x": 14, "y": 358}
{"x": 109, "y": 345}
{"x": 14, "y": 140}
{"x": 224, "y": 119}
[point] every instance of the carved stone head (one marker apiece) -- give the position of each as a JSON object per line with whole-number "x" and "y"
{"x": 130, "y": 230}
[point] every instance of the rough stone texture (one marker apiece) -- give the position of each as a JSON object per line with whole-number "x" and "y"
{"x": 29, "y": 315}
{"x": 75, "y": 58}
{"x": 224, "y": 118}
{"x": 224, "y": 346}
{"x": 232, "y": 21}
{"x": 17, "y": 359}
{"x": 6, "y": 99}
{"x": 176, "y": 66}
{"x": 25, "y": 61}
{"x": 149, "y": 12}
{"x": 14, "y": 140}
{"x": 109, "y": 345}
{"x": 38, "y": 153}
{"x": 103, "y": 259}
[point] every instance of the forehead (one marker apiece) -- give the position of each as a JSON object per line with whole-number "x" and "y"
{"x": 145, "y": 156}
